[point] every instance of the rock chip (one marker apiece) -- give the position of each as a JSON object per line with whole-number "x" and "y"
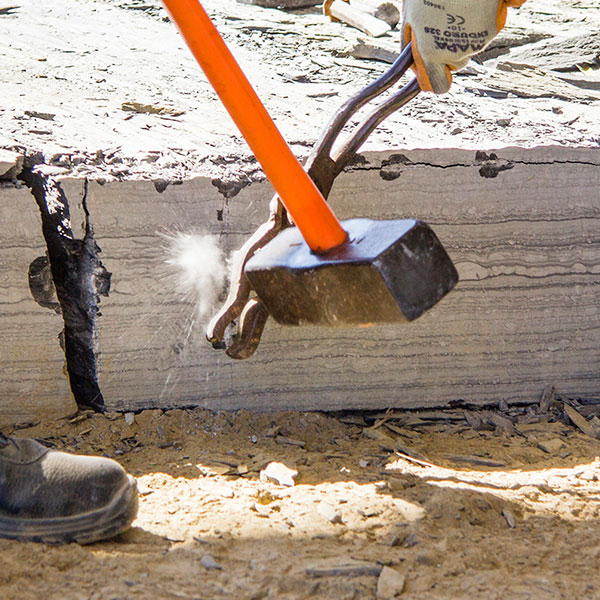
{"x": 278, "y": 473}
{"x": 348, "y": 568}
{"x": 390, "y": 584}
{"x": 552, "y": 446}
{"x": 11, "y": 164}
{"x": 208, "y": 562}
{"x": 328, "y": 512}
{"x": 510, "y": 518}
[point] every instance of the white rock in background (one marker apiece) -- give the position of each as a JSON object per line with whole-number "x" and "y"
{"x": 328, "y": 512}
{"x": 11, "y": 164}
{"x": 278, "y": 473}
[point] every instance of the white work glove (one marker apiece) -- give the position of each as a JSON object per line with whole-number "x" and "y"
{"x": 446, "y": 33}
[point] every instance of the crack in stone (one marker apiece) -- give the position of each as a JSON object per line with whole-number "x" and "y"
{"x": 477, "y": 164}
{"x": 490, "y": 165}
{"x": 79, "y": 279}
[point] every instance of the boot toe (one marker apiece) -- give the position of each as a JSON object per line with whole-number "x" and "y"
{"x": 52, "y": 496}
{"x": 86, "y": 483}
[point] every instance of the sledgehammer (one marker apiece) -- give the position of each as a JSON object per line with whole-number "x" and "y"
{"x": 321, "y": 271}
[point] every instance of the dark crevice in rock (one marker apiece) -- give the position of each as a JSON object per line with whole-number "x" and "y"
{"x": 79, "y": 279}
{"x": 160, "y": 185}
{"x": 41, "y": 284}
{"x": 491, "y": 171}
{"x": 391, "y": 168}
{"x": 235, "y": 174}
{"x": 230, "y": 188}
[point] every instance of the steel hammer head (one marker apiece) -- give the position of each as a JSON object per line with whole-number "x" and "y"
{"x": 387, "y": 271}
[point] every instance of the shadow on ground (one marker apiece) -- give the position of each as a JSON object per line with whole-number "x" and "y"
{"x": 447, "y": 522}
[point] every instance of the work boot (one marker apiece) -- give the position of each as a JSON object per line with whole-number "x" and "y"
{"x": 54, "y": 497}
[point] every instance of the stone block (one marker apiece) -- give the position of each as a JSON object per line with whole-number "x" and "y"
{"x": 520, "y": 224}
{"x": 33, "y": 382}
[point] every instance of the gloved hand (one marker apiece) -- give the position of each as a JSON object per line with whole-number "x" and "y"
{"x": 446, "y": 33}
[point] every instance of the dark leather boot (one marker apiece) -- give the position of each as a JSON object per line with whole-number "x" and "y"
{"x": 54, "y": 497}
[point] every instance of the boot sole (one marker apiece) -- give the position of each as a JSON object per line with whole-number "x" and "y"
{"x": 85, "y": 528}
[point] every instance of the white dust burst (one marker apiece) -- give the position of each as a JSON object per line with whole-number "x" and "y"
{"x": 198, "y": 267}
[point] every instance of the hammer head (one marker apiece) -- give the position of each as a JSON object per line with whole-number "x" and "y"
{"x": 387, "y": 271}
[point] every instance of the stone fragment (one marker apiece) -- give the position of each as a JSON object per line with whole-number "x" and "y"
{"x": 475, "y": 460}
{"x": 150, "y": 109}
{"x": 552, "y": 446}
{"x": 207, "y": 471}
{"x": 278, "y": 473}
{"x": 11, "y": 164}
{"x": 337, "y": 10}
{"x": 390, "y": 584}
{"x": 272, "y": 432}
{"x": 425, "y": 558}
{"x": 548, "y": 396}
{"x": 562, "y": 54}
{"x": 129, "y": 418}
{"x": 580, "y": 422}
{"x": 349, "y": 568}
{"x": 529, "y": 82}
{"x": 502, "y": 423}
{"x": 208, "y": 562}
{"x": 44, "y": 116}
{"x": 384, "y": 11}
{"x": 367, "y": 51}
{"x": 385, "y": 441}
{"x": 510, "y": 518}
{"x": 328, "y": 512}
{"x": 370, "y": 512}
{"x": 262, "y": 510}
{"x": 475, "y": 421}
{"x": 410, "y": 540}
{"x": 280, "y": 439}
{"x": 265, "y": 497}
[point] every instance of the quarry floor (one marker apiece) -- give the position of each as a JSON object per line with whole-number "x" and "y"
{"x": 448, "y": 511}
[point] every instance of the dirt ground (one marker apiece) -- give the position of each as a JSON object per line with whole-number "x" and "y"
{"x": 440, "y": 504}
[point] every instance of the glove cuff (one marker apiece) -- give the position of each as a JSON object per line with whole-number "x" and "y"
{"x": 438, "y": 78}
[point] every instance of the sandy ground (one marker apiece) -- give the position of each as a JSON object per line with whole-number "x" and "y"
{"x": 423, "y": 500}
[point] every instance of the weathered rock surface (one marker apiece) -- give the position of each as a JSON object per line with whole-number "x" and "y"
{"x": 521, "y": 226}
{"x": 33, "y": 382}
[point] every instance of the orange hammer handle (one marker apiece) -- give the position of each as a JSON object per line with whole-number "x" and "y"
{"x": 307, "y": 207}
